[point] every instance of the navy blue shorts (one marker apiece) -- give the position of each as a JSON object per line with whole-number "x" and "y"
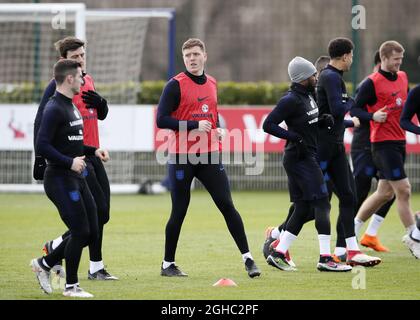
{"x": 305, "y": 178}
{"x": 390, "y": 159}
{"x": 363, "y": 164}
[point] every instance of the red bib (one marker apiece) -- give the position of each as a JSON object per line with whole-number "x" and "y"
{"x": 393, "y": 95}
{"x": 198, "y": 102}
{"x": 90, "y": 116}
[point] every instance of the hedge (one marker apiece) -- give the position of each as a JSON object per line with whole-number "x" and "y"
{"x": 148, "y": 92}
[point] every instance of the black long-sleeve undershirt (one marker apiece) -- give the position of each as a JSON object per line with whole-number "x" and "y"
{"x": 60, "y": 136}
{"x": 284, "y": 109}
{"x": 299, "y": 111}
{"x": 332, "y": 99}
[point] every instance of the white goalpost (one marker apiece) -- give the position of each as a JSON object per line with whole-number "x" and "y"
{"x": 115, "y": 46}
{"x": 33, "y": 11}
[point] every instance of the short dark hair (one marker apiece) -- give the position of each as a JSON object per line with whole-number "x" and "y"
{"x": 377, "y": 58}
{"x": 68, "y": 44}
{"x": 63, "y": 68}
{"x": 338, "y": 47}
{"x": 321, "y": 63}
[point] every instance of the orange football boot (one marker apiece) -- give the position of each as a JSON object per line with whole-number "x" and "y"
{"x": 373, "y": 242}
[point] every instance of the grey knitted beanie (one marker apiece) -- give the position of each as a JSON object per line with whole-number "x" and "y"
{"x": 300, "y": 69}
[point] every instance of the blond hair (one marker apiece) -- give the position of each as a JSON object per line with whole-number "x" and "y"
{"x": 388, "y": 47}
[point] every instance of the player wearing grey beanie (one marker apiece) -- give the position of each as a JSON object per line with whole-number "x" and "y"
{"x": 307, "y": 188}
{"x": 300, "y": 69}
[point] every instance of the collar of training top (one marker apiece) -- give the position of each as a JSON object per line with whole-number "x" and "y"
{"x": 334, "y": 69}
{"x": 63, "y": 97}
{"x": 299, "y": 88}
{"x": 197, "y": 79}
{"x": 389, "y": 75}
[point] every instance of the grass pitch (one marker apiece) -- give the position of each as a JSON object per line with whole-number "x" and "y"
{"x": 134, "y": 243}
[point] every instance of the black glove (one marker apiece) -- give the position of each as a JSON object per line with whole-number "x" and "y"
{"x": 39, "y": 168}
{"x": 301, "y": 149}
{"x": 95, "y": 101}
{"x": 326, "y": 121}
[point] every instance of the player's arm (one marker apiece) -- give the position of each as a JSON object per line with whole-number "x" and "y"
{"x": 354, "y": 122}
{"x": 367, "y": 97}
{"x": 281, "y": 112}
{"x": 40, "y": 164}
{"x": 348, "y": 124}
{"x": 48, "y": 93}
{"x": 411, "y": 108}
{"x": 333, "y": 90}
{"x": 52, "y": 119}
{"x": 168, "y": 103}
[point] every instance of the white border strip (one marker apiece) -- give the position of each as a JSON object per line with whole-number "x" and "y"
{"x": 39, "y": 188}
{"x": 41, "y": 7}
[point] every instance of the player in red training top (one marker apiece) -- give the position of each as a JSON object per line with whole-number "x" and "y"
{"x": 188, "y": 106}
{"x": 380, "y": 100}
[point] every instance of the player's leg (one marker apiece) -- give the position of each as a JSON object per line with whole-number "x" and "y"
{"x": 376, "y": 200}
{"x": 89, "y": 221}
{"x": 412, "y": 240}
{"x": 401, "y": 186}
{"x": 278, "y": 231}
{"x": 326, "y": 261}
{"x": 84, "y": 230}
{"x": 104, "y": 192}
{"x": 340, "y": 252}
{"x": 309, "y": 193}
{"x": 100, "y": 192}
{"x": 383, "y": 211}
{"x": 336, "y": 171}
{"x": 390, "y": 161}
{"x": 275, "y": 233}
{"x": 65, "y": 193}
{"x": 215, "y": 180}
{"x": 363, "y": 184}
{"x": 273, "y": 236}
{"x": 51, "y": 245}
{"x": 181, "y": 176}
{"x": 342, "y": 179}
{"x": 402, "y": 189}
{"x": 103, "y": 207}
{"x": 340, "y": 175}
{"x": 364, "y": 169}
{"x": 370, "y": 237}
{"x": 326, "y": 155}
{"x": 294, "y": 225}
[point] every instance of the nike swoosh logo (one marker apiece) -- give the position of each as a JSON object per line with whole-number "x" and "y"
{"x": 394, "y": 93}
{"x": 202, "y": 99}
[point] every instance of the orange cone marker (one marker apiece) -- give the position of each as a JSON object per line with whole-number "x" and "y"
{"x": 225, "y": 282}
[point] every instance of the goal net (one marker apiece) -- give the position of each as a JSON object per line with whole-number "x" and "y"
{"x": 114, "y": 51}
